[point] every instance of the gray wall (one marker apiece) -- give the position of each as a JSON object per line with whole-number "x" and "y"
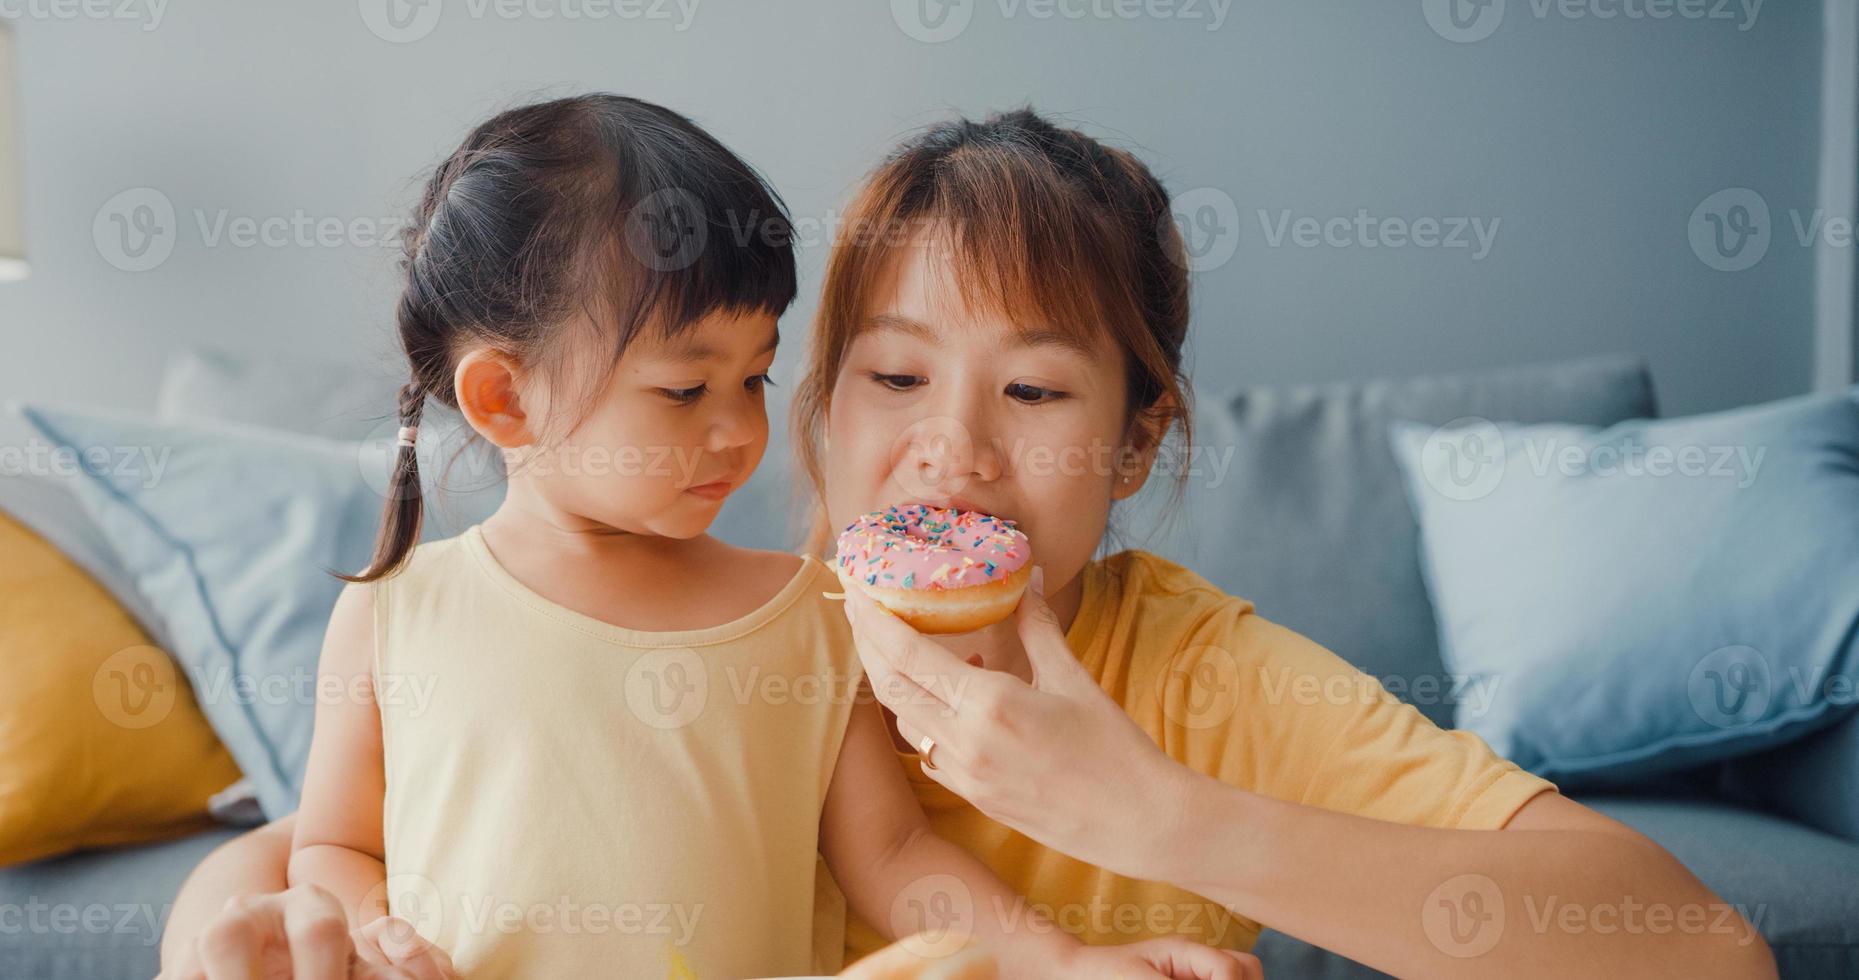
{"x": 1588, "y": 141}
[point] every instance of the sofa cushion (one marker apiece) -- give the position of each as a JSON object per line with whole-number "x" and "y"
{"x": 231, "y": 531}
{"x": 1814, "y": 780}
{"x": 38, "y": 488}
{"x": 1654, "y": 595}
{"x": 95, "y": 915}
{"x": 101, "y": 743}
{"x": 1293, "y": 501}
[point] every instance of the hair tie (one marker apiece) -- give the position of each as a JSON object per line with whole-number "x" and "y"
{"x": 407, "y": 433}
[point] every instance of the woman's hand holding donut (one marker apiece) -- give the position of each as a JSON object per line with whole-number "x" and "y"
{"x": 1056, "y": 760}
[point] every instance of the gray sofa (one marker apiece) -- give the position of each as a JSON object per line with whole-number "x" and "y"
{"x": 1308, "y": 519}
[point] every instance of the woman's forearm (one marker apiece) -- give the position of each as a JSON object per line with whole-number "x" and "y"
{"x": 1420, "y": 901}
{"x": 250, "y": 864}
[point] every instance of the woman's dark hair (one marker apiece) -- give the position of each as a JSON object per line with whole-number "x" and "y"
{"x": 597, "y": 209}
{"x": 1049, "y": 225}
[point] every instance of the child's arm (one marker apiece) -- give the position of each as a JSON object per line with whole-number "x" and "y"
{"x": 338, "y": 842}
{"x": 879, "y": 847}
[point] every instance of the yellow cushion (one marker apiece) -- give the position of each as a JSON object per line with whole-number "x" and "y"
{"x": 101, "y": 741}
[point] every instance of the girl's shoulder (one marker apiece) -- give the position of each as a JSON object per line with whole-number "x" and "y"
{"x": 773, "y": 569}
{"x": 768, "y": 575}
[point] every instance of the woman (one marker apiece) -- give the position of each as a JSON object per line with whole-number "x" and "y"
{"x": 1001, "y": 329}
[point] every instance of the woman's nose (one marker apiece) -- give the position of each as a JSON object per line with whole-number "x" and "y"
{"x": 940, "y": 454}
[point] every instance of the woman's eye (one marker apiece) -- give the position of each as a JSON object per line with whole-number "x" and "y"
{"x": 757, "y": 381}
{"x": 683, "y": 396}
{"x": 1032, "y": 394}
{"x": 897, "y": 382}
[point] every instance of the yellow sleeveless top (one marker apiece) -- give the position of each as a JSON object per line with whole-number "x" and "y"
{"x": 567, "y": 798}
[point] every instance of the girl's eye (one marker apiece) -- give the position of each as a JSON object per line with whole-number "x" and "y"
{"x": 1032, "y": 394}
{"x": 897, "y": 382}
{"x": 756, "y": 381}
{"x": 683, "y": 396}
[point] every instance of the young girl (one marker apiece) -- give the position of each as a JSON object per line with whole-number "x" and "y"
{"x": 639, "y": 737}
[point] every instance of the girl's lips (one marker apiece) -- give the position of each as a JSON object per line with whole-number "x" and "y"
{"x": 711, "y": 491}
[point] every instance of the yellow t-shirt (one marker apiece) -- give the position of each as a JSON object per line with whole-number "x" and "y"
{"x": 1230, "y": 694}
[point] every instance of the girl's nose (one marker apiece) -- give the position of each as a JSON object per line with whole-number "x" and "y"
{"x": 735, "y": 426}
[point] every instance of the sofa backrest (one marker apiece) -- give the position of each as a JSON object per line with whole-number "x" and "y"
{"x": 1308, "y": 517}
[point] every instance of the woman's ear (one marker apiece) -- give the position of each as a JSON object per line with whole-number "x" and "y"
{"x": 1137, "y": 458}
{"x": 486, "y": 384}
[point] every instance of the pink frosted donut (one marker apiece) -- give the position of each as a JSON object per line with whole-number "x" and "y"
{"x": 940, "y": 570}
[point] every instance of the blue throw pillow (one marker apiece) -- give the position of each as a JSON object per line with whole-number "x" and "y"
{"x": 1649, "y": 596}
{"x": 230, "y": 532}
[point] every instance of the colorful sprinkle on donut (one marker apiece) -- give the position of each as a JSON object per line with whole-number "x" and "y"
{"x": 916, "y": 546}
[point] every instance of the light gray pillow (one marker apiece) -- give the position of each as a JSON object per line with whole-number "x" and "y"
{"x": 1294, "y": 501}
{"x": 349, "y": 402}
{"x": 335, "y": 400}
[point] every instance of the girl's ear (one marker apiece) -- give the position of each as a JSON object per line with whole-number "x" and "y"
{"x": 486, "y": 384}
{"x": 1136, "y": 460}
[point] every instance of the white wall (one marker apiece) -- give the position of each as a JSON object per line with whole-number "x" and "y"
{"x": 1589, "y": 142}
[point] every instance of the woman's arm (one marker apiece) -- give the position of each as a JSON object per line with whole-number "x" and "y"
{"x": 249, "y": 865}
{"x": 908, "y": 882}
{"x": 338, "y": 841}
{"x": 1561, "y": 891}
{"x": 1062, "y": 763}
